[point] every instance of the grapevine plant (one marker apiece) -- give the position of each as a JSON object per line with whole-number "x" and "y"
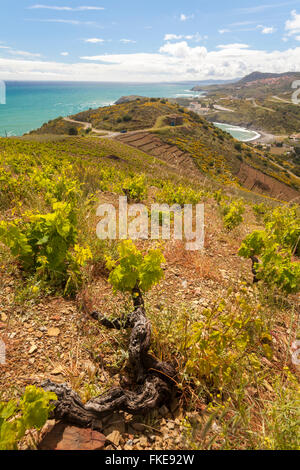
{"x": 232, "y": 214}
{"x": 275, "y": 250}
{"x": 17, "y": 417}
{"x": 133, "y": 270}
{"x": 134, "y": 273}
{"x": 46, "y": 245}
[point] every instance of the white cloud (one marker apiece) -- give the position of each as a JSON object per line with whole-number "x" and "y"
{"x": 59, "y": 20}
{"x": 266, "y": 29}
{"x": 243, "y": 23}
{"x": 223, "y": 31}
{"x": 182, "y": 50}
{"x": 127, "y": 41}
{"x": 172, "y": 37}
{"x": 191, "y": 37}
{"x": 61, "y": 8}
{"x": 94, "y": 40}
{"x": 292, "y": 26}
{"x": 184, "y": 17}
{"x": 233, "y": 46}
{"x": 173, "y": 62}
{"x": 264, "y": 7}
{"x": 64, "y": 54}
{"x": 12, "y": 51}
{"x": 269, "y": 30}
{"x": 24, "y": 53}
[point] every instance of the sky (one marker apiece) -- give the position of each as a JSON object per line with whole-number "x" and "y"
{"x": 139, "y": 41}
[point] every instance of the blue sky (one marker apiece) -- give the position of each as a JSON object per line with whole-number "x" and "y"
{"x": 166, "y": 40}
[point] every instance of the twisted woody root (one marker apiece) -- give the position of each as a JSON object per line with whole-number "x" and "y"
{"x": 152, "y": 381}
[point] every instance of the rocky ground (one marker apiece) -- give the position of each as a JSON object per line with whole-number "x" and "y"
{"x": 54, "y": 339}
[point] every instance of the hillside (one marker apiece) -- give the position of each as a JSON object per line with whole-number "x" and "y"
{"x": 131, "y": 115}
{"x": 214, "y": 153}
{"x": 229, "y": 339}
{"x": 269, "y": 115}
{"x": 259, "y": 76}
{"x": 260, "y": 101}
{"x": 256, "y": 85}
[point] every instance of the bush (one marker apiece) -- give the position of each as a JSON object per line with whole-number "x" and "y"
{"x": 181, "y": 195}
{"x": 31, "y": 412}
{"x": 233, "y": 214}
{"x": 133, "y": 270}
{"x": 260, "y": 210}
{"x": 224, "y": 343}
{"x": 73, "y": 131}
{"x": 46, "y": 245}
{"x": 275, "y": 247}
{"x": 135, "y": 188}
{"x": 238, "y": 146}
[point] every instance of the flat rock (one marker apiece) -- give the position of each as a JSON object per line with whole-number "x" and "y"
{"x": 64, "y": 437}
{"x": 53, "y": 332}
{"x": 33, "y": 349}
{"x": 114, "y": 437}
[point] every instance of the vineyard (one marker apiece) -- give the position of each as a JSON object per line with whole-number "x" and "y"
{"x": 151, "y": 345}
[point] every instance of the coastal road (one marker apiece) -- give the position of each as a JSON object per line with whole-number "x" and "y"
{"x": 103, "y": 133}
{"x": 87, "y": 125}
{"x": 221, "y": 108}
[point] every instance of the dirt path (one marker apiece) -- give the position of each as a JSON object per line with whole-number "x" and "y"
{"x": 87, "y": 125}
{"x": 221, "y": 108}
{"x": 261, "y": 107}
{"x": 105, "y": 134}
{"x": 277, "y": 98}
{"x": 285, "y": 169}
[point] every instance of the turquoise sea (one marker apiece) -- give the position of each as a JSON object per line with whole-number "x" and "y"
{"x": 30, "y": 104}
{"x": 239, "y": 133}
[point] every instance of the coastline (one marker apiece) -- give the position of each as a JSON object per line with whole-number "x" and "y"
{"x": 261, "y": 137}
{"x": 266, "y": 138}
{"x": 256, "y": 137}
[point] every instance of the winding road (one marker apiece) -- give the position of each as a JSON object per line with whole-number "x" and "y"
{"x": 86, "y": 125}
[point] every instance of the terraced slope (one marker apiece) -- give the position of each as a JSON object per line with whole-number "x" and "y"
{"x": 261, "y": 183}
{"x": 153, "y": 145}
{"x": 194, "y": 147}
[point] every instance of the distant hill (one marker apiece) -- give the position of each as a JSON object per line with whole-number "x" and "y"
{"x": 182, "y": 139}
{"x": 255, "y": 76}
{"x": 127, "y": 99}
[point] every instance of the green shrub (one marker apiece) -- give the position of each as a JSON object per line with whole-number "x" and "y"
{"x": 133, "y": 270}
{"x": 46, "y": 245}
{"x": 73, "y": 131}
{"x": 127, "y": 118}
{"x": 171, "y": 194}
{"x": 259, "y": 210}
{"x": 233, "y": 214}
{"x": 224, "y": 345}
{"x": 275, "y": 247}
{"x": 31, "y": 412}
{"x": 135, "y": 188}
{"x": 281, "y": 430}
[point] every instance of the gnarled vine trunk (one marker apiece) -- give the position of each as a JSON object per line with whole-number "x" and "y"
{"x": 151, "y": 382}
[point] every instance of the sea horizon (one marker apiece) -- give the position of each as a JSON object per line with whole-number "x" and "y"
{"x": 29, "y": 104}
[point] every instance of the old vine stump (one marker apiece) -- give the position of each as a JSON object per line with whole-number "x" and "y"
{"x": 150, "y": 385}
